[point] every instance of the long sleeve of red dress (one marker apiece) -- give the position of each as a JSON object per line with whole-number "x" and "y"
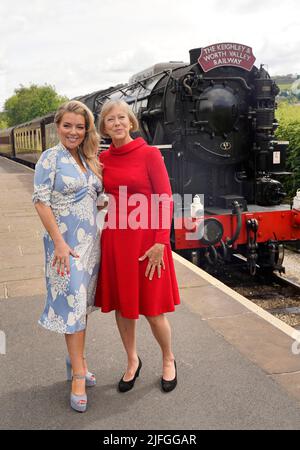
{"x": 161, "y": 185}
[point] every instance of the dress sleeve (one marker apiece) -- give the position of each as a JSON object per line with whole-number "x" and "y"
{"x": 44, "y": 177}
{"x": 161, "y": 186}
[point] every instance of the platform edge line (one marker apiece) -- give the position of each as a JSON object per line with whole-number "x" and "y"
{"x": 285, "y": 328}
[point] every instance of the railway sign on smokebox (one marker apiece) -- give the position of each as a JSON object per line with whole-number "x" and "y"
{"x": 226, "y": 54}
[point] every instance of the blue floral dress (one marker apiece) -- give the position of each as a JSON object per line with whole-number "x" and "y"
{"x": 61, "y": 184}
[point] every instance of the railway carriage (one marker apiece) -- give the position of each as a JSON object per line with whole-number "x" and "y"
{"x": 26, "y": 142}
{"x": 6, "y": 142}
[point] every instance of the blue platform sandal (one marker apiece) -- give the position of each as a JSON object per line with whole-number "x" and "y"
{"x": 78, "y": 402}
{"x": 90, "y": 379}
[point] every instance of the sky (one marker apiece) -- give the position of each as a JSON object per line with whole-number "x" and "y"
{"x": 80, "y": 46}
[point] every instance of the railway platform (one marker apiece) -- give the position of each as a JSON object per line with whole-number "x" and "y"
{"x": 238, "y": 366}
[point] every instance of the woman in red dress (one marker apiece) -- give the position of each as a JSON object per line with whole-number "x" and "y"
{"x": 137, "y": 273}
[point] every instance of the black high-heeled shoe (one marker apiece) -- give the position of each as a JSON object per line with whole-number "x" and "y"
{"x": 125, "y": 386}
{"x": 168, "y": 386}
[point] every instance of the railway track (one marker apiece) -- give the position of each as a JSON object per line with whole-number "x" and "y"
{"x": 277, "y": 294}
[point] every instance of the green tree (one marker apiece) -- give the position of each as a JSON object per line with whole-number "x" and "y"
{"x": 30, "y": 102}
{"x": 289, "y": 130}
{"x": 3, "y": 121}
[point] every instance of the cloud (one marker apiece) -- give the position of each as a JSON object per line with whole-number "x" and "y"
{"x": 129, "y": 60}
{"x": 280, "y": 59}
{"x": 242, "y": 7}
{"x": 81, "y": 46}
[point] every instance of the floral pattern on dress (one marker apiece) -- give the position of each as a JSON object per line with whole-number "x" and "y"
{"x": 60, "y": 183}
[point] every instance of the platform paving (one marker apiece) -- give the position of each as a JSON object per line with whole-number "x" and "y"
{"x": 236, "y": 369}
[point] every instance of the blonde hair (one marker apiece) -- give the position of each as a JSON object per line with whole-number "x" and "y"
{"x": 89, "y": 146}
{"x": 107, "y": 107}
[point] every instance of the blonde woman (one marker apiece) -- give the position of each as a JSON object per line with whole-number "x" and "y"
{"x": 137, "y": 273}
{"x": 66, "y": 185}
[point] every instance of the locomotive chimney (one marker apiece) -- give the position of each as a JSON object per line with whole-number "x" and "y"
{"x": 194, "y": 55}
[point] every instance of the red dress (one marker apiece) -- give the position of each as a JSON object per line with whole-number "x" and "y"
{"x": 131, "y": 174}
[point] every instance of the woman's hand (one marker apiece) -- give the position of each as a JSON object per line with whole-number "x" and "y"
{"x": 61, "y": 259}
{"x": 100, "y": 207}
{"x": 156, "y": 260}
{"x": 102, "y": 201}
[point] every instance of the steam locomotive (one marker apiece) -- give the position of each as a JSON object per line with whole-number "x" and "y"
{"x": 213, "y": 120}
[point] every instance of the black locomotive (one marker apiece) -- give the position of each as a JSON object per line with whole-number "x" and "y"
{"x": 219, "y": 126}
{"x": 215, "y": 128}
